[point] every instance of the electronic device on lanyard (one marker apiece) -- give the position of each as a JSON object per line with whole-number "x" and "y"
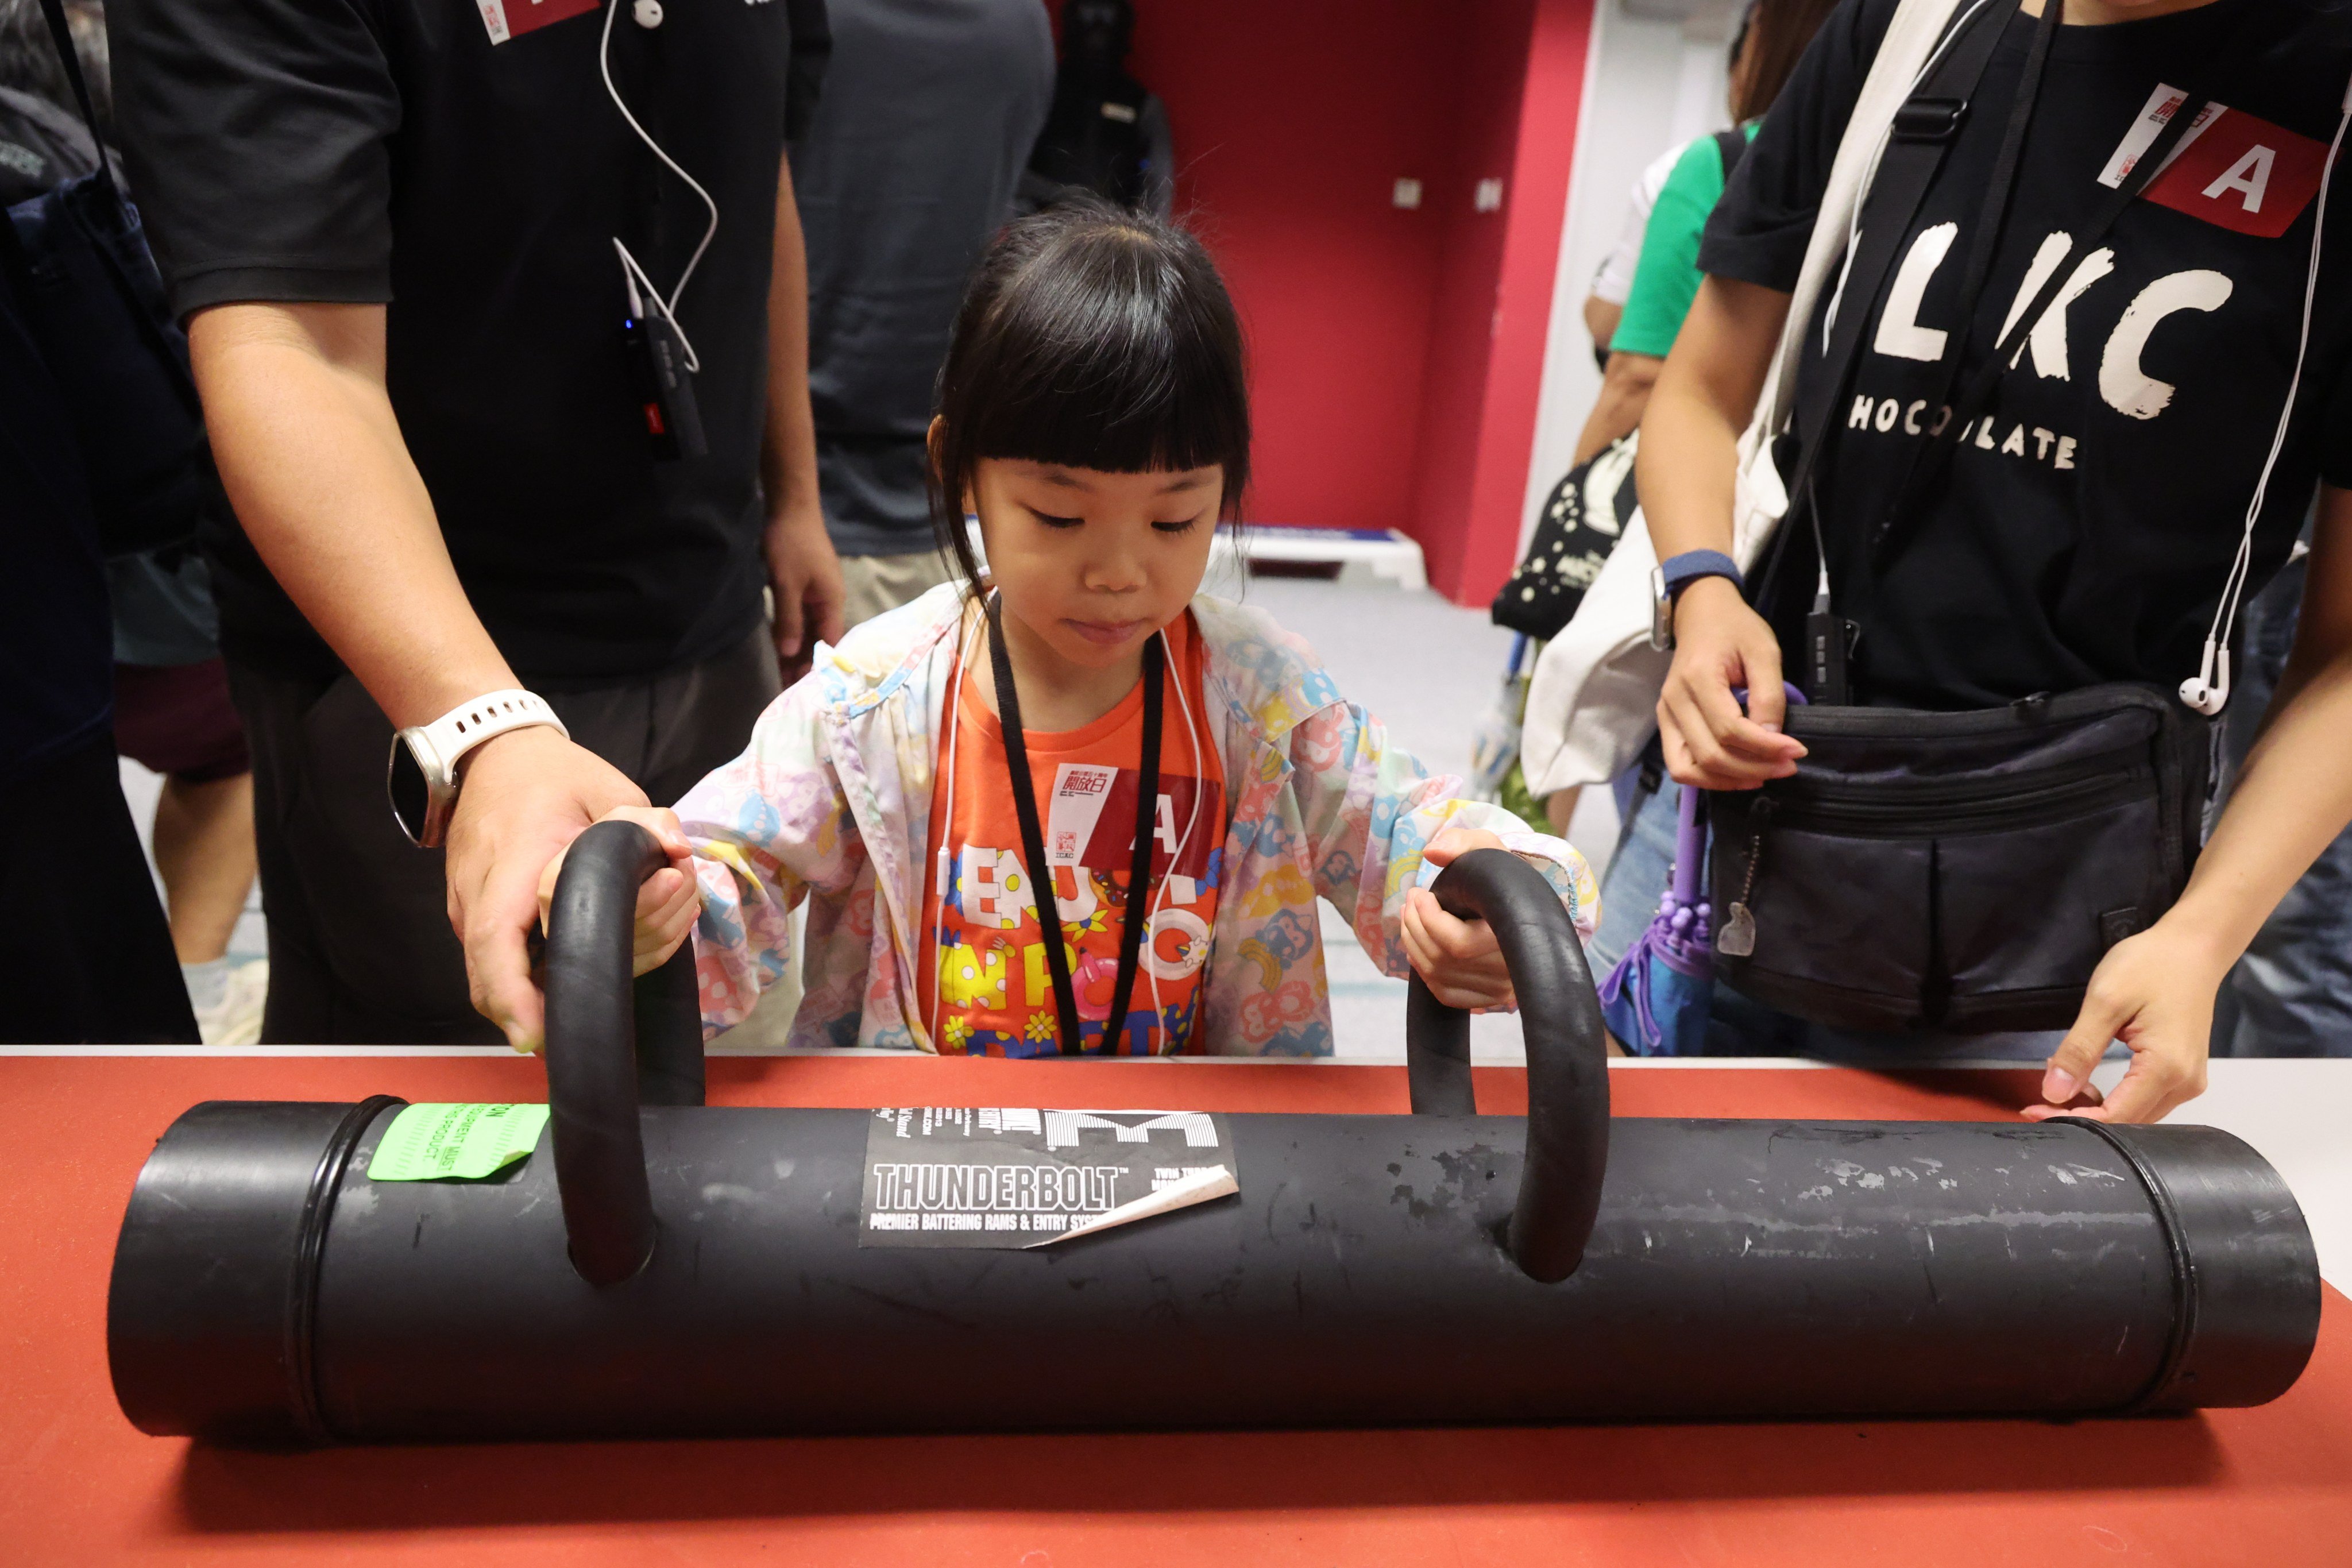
{"x": 659, "y": 373}
{"x": 661, "y": 358}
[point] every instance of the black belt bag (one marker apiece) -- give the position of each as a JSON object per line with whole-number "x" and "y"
{"x": 1960, "y": 871}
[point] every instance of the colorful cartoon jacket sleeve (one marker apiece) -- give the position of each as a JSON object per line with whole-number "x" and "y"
{"x": 1369, "y": 808}
{"x": 767, "y": 828}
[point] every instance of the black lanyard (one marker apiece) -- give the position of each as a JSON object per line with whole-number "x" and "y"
{"x": 1033, "y": 840}
{"x": 1889, "y": 533}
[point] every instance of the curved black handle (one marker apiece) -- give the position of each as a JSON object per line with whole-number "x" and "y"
{"x": 611, "y": 1048}
{"x": 1568, "y": 1055}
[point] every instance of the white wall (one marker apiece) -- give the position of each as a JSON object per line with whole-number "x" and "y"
{"x": 1650, "y": 84}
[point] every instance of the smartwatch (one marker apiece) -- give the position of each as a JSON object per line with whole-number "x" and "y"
{"x": 1672, "y": 575}
{"x": 422, "y": 777}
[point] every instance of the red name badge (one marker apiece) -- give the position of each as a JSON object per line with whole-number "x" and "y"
{"x": 512, "y": 18}
{"x": 2233, "y": 170}
{"x": 2242, "y": 173}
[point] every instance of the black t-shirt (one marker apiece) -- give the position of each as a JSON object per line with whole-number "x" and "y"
{"x": 929, "y": 109}
{"x": 2084, "y": 531}
{"x": 388, "y": 150}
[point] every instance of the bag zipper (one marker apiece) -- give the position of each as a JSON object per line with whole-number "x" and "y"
{"x": 1927, "y": 811}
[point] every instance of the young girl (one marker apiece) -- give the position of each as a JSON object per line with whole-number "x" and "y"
{"x": 1093, "y": 414}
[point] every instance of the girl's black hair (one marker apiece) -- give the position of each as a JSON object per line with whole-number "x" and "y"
{"x": 1095, "y": 338}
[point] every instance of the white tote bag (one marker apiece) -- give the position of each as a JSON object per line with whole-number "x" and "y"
{"x": 1593, "y": 702}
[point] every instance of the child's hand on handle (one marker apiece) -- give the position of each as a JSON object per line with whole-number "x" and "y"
{"x": 1459, "y": 959}
{"x": 1719, "y": 644}
{"x": 2155, "y": 992}
{"x": 667, "y": 901}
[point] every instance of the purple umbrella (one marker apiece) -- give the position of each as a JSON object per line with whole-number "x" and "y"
{"x": 1656, "y": 1000}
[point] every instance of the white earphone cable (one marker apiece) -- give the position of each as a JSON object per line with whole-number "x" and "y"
{"x": 2210, "y": 697}
{"x": 947, "y": 829}
{"x": 667, "y": 304}
{"x": 1192, "y": 734}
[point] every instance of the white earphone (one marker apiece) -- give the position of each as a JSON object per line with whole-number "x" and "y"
{"x": 2208, "y": 690}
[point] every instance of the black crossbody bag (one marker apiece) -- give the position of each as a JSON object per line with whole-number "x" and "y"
{"x": 1963, "y": 871}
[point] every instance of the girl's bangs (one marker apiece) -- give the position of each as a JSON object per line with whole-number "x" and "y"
{"x": 1125, "y": 379}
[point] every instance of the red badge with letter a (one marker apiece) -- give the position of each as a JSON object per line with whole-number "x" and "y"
{"x": 512, "y": 18}
{"x": 2232, "y": 169}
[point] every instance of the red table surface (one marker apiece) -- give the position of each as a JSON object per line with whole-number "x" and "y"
{"x": 80, "y": 1485}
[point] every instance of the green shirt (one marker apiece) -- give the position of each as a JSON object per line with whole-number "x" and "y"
{"x": 1666, "y": 279}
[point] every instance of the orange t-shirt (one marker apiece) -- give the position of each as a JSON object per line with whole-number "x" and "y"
{"x": 985, "y": 987}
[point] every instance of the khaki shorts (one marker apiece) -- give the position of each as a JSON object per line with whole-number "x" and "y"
{"x": 879, "y": 584}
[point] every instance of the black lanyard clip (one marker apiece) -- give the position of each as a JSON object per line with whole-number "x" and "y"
{"x": 1931, "y": 119}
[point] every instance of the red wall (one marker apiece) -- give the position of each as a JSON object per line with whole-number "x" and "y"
{"x": 1495, "y": 300}
{"x": 1395, "y": 355}
{"x": 1292, "y": 121}
{"x": 1467, "y": 322}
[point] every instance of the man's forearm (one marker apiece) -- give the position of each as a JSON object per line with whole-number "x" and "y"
{"x": 313, "y": 457}
{"x": 788, "y": 450}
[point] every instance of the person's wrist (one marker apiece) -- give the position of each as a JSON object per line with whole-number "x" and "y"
{"x": 2201, "y": 934}
{"x": 799, "y": 511}
{"x": 445, "y": 692}
{"x": 1711, "y": 591}
{"x": 1703, "y": 602}
{"x": 539, "y": 740}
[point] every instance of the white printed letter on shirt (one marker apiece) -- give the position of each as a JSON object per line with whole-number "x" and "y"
{"x": 2128, "y": 388}
{"x": 1900, "y": 335}
{"x": 2048, "y": 338}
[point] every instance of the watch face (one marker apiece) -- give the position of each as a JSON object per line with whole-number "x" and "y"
{"x": 410, "y": 799}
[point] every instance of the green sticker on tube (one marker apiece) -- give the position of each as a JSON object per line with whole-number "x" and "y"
{"x": 431, "y": 1143}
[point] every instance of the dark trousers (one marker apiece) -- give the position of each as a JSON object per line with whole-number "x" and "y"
{"x": 361, "y": 949}
{"x": 87, "y": 955}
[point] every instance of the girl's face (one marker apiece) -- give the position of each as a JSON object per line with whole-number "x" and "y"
{"x": 1094, "y": 562}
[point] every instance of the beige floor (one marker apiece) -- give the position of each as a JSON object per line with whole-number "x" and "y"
{"x": 1427, "y": 670}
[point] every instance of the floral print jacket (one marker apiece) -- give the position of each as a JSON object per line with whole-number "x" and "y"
{"x": 831, "y": 802}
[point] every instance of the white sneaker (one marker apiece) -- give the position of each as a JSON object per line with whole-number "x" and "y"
{"x": 236, "y": 1019}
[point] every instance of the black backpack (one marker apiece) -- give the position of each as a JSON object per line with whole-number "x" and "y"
{"x": 94, "y": 304}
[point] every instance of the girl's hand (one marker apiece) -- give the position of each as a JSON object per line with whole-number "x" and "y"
{"x": 1721, "y": 643}
{"x": 667, "y": 901}
{"x": 1460, "y": 961}
{"x": 2155, "y": 992}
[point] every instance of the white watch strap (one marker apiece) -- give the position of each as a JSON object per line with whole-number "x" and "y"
{"x": 467, "y": 725}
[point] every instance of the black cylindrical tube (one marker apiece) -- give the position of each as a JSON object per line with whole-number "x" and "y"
{"x": 1566, "y": 1046}
{"x": 592, "y": 1049}
{"x": 265, "y": 1288}
{"x": 1737, "y": 1268}
{"x": 211, "y": 1317}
